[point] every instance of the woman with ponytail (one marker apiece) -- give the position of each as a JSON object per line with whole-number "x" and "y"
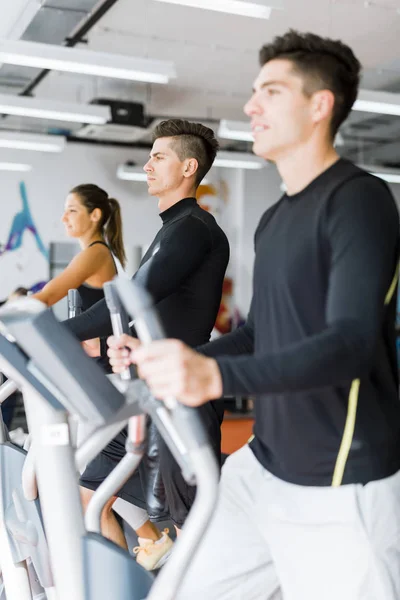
{"x": 94, "y": 219}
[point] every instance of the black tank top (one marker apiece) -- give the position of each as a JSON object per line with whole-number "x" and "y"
{"x": 89, "y": 294}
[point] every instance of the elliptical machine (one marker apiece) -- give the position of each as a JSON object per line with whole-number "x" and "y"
{"x": 94, "y": 568}
{"x": 25, "y": 572}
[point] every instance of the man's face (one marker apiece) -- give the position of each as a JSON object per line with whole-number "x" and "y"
{"x": 165, "y": 172}
{"x": 281, "y": 114}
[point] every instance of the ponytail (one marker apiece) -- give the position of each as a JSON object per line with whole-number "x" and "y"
{"x": 113, "y": 231}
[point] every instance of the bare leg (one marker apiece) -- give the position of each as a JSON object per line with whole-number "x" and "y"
{"x": 109, "y": 525}
{"x": 149, "y": 531}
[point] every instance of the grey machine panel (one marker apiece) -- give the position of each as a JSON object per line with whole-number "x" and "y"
{"x": 132, "y": 582}
{"x": 110, "y": 572}
{"x": 56, "y": 353}
{"x": 22, "y": 518}
{"x": 20, "y": 361}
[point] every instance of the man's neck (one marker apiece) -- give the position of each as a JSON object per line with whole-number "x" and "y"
{"x": 299, "y": 167}
{"x": 165, "y": 202}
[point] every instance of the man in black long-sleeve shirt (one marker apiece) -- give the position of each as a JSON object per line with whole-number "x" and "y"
{"x": 309, "y": 510}
{"x": 183, "y": 270}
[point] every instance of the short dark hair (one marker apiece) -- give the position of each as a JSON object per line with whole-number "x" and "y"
{"x": 192, "y": 140}
{"x": 323, "y": 64}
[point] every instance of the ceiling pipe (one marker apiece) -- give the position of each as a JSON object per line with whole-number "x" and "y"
{"x": 92, "y": 19}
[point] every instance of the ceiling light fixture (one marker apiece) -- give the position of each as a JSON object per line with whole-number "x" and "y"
{"x": 235, "y": 130}
{"x": 6, "y": 166}
{"x": 32, "y": 141}
{"x": 42, "y": 108}
{"x": 87, "y": 62}
{"x": 130, "y": 172}
{"x": 383, "y": 103}
{"x": 245, "y": 8}
{"x": 389, "y": 175}
{"x": 238, "y": 160}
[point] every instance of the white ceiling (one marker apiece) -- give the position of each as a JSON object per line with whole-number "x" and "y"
{"x": 216, "y": 54}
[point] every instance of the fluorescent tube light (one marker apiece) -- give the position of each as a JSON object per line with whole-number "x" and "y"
{"x": 383, "y": 103}
{"x": 244, "y": 8}
{"x": 32, "y": 141}
{"x": 235, "y": 130}
{"x": 6, "y": 166}
{"x": 131, "y": 173}
{"x": 389, "y": 175}
{"x": 42, "y": 108}
{"x": 87, "y": 62}
{"x": 238, "y": 160}
{"x": 338, "y": 141}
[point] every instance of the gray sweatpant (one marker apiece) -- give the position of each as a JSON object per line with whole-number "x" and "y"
{"x": 273, "y": 540}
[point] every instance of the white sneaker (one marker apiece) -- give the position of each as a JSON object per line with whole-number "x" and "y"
{"x": 152, "y": 555}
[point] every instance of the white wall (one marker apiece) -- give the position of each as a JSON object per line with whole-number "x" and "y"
{"x": 52, "y": 177}
{"x": 260, "y": 189}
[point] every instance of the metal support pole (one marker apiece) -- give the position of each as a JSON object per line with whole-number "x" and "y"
{"x": 59, "y": 493}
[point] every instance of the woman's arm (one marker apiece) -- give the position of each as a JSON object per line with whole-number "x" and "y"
{"x": 81, "y": 267}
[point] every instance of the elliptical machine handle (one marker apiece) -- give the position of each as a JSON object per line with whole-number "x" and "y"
{"x": 139, "y": 304}
{"x": 119, "y": 320}
{"x": 74, "y": 303}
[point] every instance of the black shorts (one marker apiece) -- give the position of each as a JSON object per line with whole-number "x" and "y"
{"x": 100, "y": 467}
{"x": 179, "y": 494}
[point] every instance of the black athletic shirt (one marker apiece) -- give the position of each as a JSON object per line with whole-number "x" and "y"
{"x": 183, "y": 270}
{"x": 319, "y": 341}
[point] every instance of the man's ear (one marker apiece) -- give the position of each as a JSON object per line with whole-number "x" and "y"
{"x": 323, "y": 103}
{"x": 190, "y": 168}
